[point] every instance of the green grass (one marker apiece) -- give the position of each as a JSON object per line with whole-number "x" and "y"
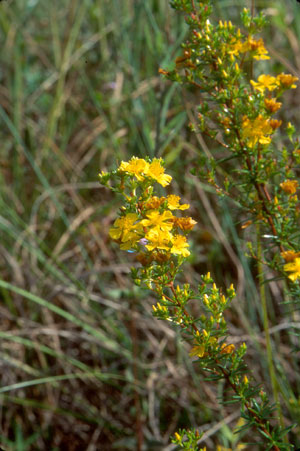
{"x": 81, "y": 355}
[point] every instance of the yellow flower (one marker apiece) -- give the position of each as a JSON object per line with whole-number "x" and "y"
{"x": 179, "y": 246}
{"x": 158, "y": 240}
{"x": 123, "y": 227}
{"x": 264, "y": 82}
{"x": 275, "y": 123}
{"x": 127, "y": 230}
{"x": 200, "y": 349}
{"x": 256, "y": 130}
{"x": 157, "y": 172}
{"x": 227, "y": 349}
{"x": 294, "y": 269}
{"x": 136, "y": 166}
{"x": 271, "y": 105}
{"x": 235, "y": 48}
{"x": 173, "y": 203}
{"x": 286, "y": 80}
{"x": 289, "y": 186}
{"x": 256, "y": 46}
{"x": 184, "y": 223}
{"x": 197, "y": 351}
{"x": 161, "y": 221}
{"x": 141, "y": 168}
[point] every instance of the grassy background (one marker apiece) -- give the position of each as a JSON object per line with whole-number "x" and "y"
{"x": 84, "y": 366}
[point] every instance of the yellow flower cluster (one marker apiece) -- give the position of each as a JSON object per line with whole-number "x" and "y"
{"x": 285, "y": 81}
{"x": 272, "y": 105}
{"x": 202, "y": 349}
{"x": 264, "y": 82}
{"x": 141, "y": 169}
{"x": 289, "y": 186}
{"x": 152, "y": 227}
{"x": 256, "y": 130}
{"x": 256, "y": 47}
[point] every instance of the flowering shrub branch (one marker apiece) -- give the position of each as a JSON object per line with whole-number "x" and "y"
{"x": 239, "y": 115}
{"x": 147, "y": 227}
{"x": 237, "y": 111}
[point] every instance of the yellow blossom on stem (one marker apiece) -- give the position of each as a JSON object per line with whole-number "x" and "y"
{"x": 287, "y": 81}
{"x": 289, "y": 186}
{"x": 235, "y": 48}
{"x": 271, "y": 105}
{"x": 264, "y": 82}
{"x": 184, "y": 223}
{"x": 136, "y": 166}
{"x": 126, "y": 229}
{"x": 275, "y": 123}
{"x": 198, "y": 351}
{"x": 173, "y": 203}
{"x": 141, "y": 168}
{"x": 227, "y": 349}
{"x": 294, "y": 269}
{"x": 157, "y": 172}
{"x": 158, "y": 239}
{"x": 162, "y": 221}
{"x": 256, "y": 46}
{"x": 256, "y": 130}
{"x": 180, "y": 245}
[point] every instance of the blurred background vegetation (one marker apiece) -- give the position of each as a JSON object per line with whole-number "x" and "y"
{"x": 84, "y": 365}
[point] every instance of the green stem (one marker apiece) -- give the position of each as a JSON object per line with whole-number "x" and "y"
{"x": 262, "y": 292}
